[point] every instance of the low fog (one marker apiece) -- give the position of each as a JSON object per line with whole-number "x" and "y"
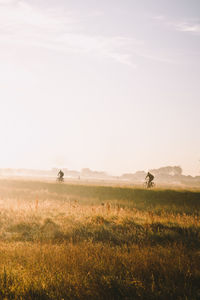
{"x": 168, "y": 175}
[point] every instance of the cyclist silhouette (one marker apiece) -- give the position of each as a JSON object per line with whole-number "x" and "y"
{"x": 61, "y": 175}
{"x": 150, "y": 178}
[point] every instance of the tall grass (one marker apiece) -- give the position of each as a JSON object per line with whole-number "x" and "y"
{"x": 61, "y": 241}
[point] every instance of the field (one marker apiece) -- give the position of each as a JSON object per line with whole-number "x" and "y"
{"x": 73, "y": 241}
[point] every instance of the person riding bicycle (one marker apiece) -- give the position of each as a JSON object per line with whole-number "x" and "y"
{"x": 150, "y": 179}
{"x": 60, "y": 175}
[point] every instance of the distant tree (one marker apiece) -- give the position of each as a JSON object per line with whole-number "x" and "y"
{"x": 178, "y": 170}
{"x": 86, "y": 172}
{"x": 167, "y": 171}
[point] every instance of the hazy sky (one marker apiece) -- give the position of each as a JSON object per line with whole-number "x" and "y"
{"x": 107, "y": 84}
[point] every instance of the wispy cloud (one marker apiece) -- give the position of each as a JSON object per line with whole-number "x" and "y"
{"x": 159, "y": 17}
{"x": 58, "y": 30}
{"x": 190, "y": 26}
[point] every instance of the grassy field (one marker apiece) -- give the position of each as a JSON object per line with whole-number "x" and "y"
{"x": 73, "y": 241}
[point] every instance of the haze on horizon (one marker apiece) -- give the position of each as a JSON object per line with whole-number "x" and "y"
{"x": 108, "y": 85}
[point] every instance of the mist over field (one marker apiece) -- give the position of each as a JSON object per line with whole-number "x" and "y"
{"x": 165, "y": 176}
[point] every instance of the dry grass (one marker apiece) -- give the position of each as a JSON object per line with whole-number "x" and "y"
{"x": 60, "y": 241}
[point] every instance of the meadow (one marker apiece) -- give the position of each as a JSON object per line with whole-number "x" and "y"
{"x": 82, "y": 241}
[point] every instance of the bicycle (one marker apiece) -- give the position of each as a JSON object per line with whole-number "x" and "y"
{"x": 60, "y": 179}
{"x": 148, "y": 184}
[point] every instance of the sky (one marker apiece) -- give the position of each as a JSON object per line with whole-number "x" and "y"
{"x": 109, "y": 85}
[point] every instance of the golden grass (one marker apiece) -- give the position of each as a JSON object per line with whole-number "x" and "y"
{"x": 67, "y": 242}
